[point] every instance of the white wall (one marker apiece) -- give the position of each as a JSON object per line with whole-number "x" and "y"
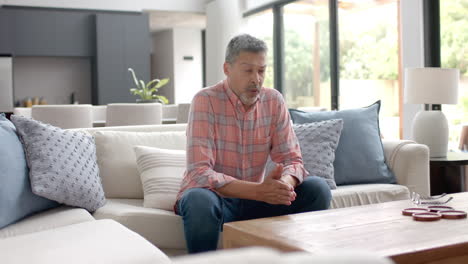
{"x": 224, "y": 20}
{"x": 169, "y": 48}
{"x": 120, "y": 5}
{"x": 412, "y": 52}
{"x": 53, "y": 78}
{"x": 188, "y": 73}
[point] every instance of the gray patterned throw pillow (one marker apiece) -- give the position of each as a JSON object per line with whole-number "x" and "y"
{"x": 318, "y": 143}
{"x": 62, "y": 164}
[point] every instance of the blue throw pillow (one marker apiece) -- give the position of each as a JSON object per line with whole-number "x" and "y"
{"x": 16, "y": 198}
{"x": 359, "y": 157}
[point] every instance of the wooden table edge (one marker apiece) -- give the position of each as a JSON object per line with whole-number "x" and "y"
{"x": 249, "y": 239}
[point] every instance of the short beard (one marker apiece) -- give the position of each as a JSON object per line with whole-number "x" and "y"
{"x": 248, "y": 101}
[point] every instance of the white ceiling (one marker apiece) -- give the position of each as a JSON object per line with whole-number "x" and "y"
{"x": 116, "y": 5}
{"x": 161, "y": 20}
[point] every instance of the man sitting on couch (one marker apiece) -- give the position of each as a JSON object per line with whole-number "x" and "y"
{"x": 233, "y": 127}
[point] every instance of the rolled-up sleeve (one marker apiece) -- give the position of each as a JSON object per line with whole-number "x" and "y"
{"x": 285, "y": 146}
{"x": 201, "y": 147}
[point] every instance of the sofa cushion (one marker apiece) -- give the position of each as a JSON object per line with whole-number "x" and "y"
{"x": 161, "y": 227}
{"x": 362, "y": 194}
{"x": 16, "y": 197}
{"x": 53, "y": 218}
{"x": 103, "y": 241}
{"x": 318, "y": 143}
{"x": 161, "y": 172}
{"x": 165, "y": 229}
{"x": 263, "y": 255}
{"x": 62, "y": 164}
{"x": 359, "y": 157}
{"x": 117, "y": 162}
{"x": 260, "y": 255}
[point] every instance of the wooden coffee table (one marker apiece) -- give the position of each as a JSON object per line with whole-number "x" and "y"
{"x": 378, "y": 228}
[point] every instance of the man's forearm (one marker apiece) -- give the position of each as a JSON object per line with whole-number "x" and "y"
{"x": 248, "y": 190}
{"x": 272, "y": 190}
{"x": 293, "y": 181}
{"x": 239, "y": 189}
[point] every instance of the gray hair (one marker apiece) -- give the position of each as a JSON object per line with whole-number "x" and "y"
{"x": 243, "y": 42}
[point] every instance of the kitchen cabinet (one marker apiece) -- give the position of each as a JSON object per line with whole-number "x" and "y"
{"x": 5, "y": 33}
{"x": 122, "y": 42}
{"x": 51, "y": 32}
{"x": 113, "y": 41}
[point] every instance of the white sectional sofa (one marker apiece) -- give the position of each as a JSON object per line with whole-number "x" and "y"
{"x": 92, "y": 241}
{"x": 115, "y": 233}
{"x": 408, "y": 160}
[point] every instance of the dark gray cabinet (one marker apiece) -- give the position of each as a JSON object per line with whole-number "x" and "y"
{"x": 114, "y": 41}
{"x": 5, "y": 33}
{"x": 122, "y": 42}
{"x": 52, "y": 32}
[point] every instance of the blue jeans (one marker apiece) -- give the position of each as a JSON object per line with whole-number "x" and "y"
{"x": 204, "y": 212}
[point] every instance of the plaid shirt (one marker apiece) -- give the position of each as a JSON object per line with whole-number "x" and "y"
{"x": 225, "y": 142}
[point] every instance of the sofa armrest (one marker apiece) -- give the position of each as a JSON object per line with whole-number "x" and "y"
{"x": 409, "y": 162}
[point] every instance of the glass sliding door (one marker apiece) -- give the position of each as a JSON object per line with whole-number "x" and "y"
{"x": 454, "y": 54}
{"x": 369, "y": 59}
{"x": 260, "y": 25}
{"x": 306, "y": 55}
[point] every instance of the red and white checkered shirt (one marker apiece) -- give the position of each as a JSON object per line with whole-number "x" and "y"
{"x": 226, "y": 142}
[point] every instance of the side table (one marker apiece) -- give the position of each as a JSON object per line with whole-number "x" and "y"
{"x": 448, "y": 173}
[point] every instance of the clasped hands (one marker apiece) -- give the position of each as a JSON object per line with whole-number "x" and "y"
{"x": 277, "y": 189}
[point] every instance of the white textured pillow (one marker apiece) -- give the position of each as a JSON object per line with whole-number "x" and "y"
{"x": 116, "y": 158}
{"x": 161, "y": 172}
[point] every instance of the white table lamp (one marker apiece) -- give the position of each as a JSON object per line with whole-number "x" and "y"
{"x": 431, "y": 86}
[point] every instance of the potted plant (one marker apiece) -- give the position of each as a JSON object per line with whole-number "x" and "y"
{"x": 147, "y": 92}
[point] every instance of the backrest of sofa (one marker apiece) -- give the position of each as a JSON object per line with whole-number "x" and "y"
{"x": 145, "y": 128}
{"x": 116, "y": 158}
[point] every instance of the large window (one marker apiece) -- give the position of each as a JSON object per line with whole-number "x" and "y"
{"x": 454, "y": 54}
{"x": 306, "y": 55}
{"x": 368, "y": 35}
{"x": 255, "y": 25}
{"x": 309, "y": 57}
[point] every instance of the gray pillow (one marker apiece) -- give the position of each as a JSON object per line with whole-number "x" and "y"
{"x": 318, "y": 143}
{"x": 62, "y": 164}
{"x": 359, "y": 157}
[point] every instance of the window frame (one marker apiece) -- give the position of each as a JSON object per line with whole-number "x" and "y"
{"x": 431, "y": 39}
{"x": 278, "y": 46}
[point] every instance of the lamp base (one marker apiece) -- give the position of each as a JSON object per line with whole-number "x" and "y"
{"x": 431, "y": 128}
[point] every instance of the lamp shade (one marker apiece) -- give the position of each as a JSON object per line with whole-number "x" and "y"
{"x": 431, "y": 85}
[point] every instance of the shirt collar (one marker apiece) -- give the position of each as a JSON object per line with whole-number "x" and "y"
{"x": 231, "y": 95}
